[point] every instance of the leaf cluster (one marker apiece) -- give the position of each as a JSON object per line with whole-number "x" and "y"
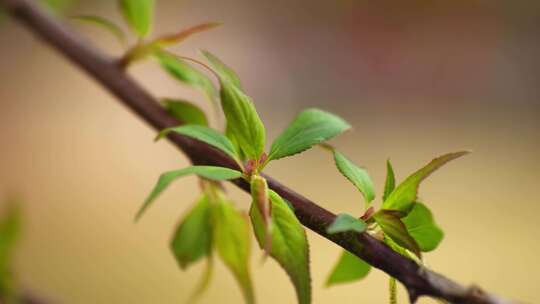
{"x": 406, "y": 225}
{"x": 214, "y": 226}
{"x": 277, "y": 230}
{"x": 139, "y": 16}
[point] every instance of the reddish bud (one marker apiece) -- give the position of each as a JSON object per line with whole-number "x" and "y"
{"x": 369, "y": 212}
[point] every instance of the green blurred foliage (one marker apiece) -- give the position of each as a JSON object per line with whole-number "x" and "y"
{"x": 10, "y": 229}
{"x": 59, "y": 6}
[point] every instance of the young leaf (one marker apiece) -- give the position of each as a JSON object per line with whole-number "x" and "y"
{"x": 185, "y": 73}
{"x": 138, "y": 53}
{"x": 396, "y": 230}
{"x": 222, "y": 69}
{"x": 289, "y": 244}
{"x": 232, "y": 241}
{"x": 185, "y": 111}
{"x": 356, "y": 175}
{"x": 309, "y": 128}
{"x": 209, "y": 172}
{"x": 403, "y": 197}
{"x": 401, "y": 250}
{"x": 108, "y": 25}
{"x": 192, "y": 239}
{"x": 349, "y": 268}
{"x": 261, "y": 201}
{"x": 422, "y": 227}
{"x": 390, "y": 183}
{"x": 230, "y": 136}
{"x": 138, "y": 15}
{"x": 206, "y": 135}
{"x": 243, "y": 122}
{"x": 176, "y": 38}
{"x": 346, "y": 222}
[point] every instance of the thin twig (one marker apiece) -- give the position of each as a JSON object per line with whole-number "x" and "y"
{"x": 418, "y": 281}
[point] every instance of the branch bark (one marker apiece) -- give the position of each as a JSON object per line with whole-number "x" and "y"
{"x": 417, "y": 280}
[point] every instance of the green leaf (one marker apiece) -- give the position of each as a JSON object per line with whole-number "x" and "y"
{"x": 390, "y": 183}
{"x": 169, "y": 40}
{"x": 346, "y": 222}
{"x": 232, "y": 241}
{"x": 222, "y": 69}
{"x": 192, "y": 239}
{"x": 185, "y": 73}
{"x": 289, "y": 244}
{"x": 108, "y": 25}
{"x": 209, "y": 172}
{"x": 422, "y": 227}
{"x": 261, "y": 201}
{"x": 403, "y": 197}
{"x": 243, "y": 122}
{"x": 396, "y": 230}
{"x": 185, "y": 111}
{"x": 349, "y": 268}
{"x": 230, "y": 136}
{"x": 206, "y": 135}
{"x": 309, "y": 128}
{"x": 138, "y": 15}
{"x": 356, "y": 175}
{"x": 401, "y": 250}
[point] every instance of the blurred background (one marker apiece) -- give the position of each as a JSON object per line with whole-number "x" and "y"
{"x": 415, "y": 78}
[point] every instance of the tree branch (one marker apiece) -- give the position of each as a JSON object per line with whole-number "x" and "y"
{"x": 417, "y": 280}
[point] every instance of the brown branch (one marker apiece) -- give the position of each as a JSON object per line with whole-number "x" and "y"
{"x": 417, "y": 280}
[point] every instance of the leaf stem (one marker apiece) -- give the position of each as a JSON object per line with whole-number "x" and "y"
{"x": 207, "y": 67}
